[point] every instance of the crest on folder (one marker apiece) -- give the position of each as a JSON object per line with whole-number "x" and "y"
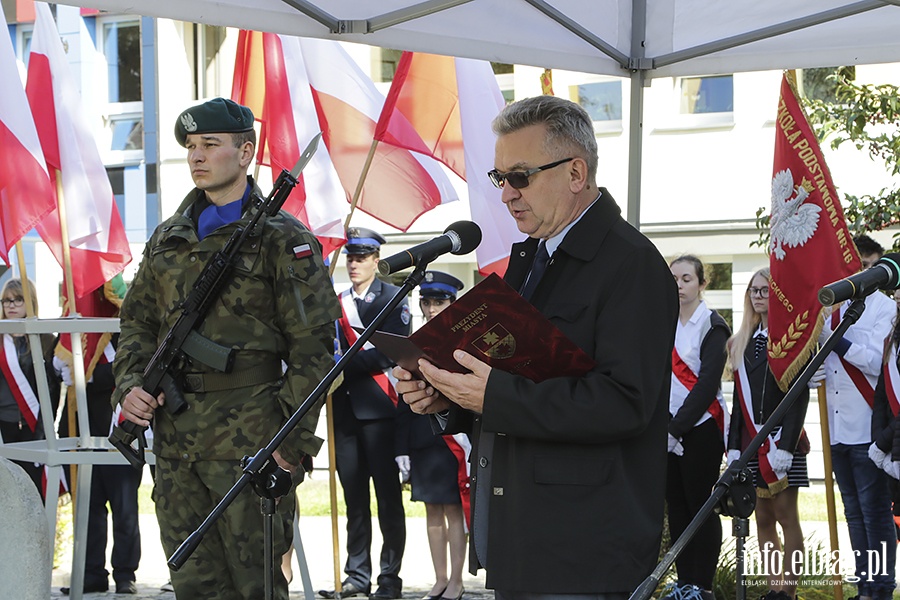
{"x": 496, "y": 342}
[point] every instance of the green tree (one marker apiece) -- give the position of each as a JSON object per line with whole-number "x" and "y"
{"x": 868, "y": 116}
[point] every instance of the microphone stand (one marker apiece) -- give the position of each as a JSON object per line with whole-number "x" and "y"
{"x": 267, "y": 479}
{"x": 734, "y": 494}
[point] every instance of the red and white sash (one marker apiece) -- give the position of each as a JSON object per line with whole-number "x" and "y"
{"x": 461, "y": 447}
{"x": 683, "y": 381}
{"x": 350, "y": 319}
{"x": 892, "y": 380}
{"x": 18, "y": 382}
{"x": 45, "y": 476}
{"x": 859, "y": 379}
{"x": 742, "y": 389}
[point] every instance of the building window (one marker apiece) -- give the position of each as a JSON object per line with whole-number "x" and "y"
{"x": 202, "y": 45}
{"x": 384, "y": 64}
{"x": 119, "y": 42}
{"x": 703, "y": 95}
{"x": 602, "y": 99}
{"x": 122, "y": 49}
{"x": 23, "y": 51}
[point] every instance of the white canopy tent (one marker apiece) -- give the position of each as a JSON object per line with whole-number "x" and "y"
{"x": 639, "y": 39}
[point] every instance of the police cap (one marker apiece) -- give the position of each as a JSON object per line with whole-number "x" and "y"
{"x": 363, "y": 241}
{"x": 219, "y": 115}
{"x": 440, "y": 286}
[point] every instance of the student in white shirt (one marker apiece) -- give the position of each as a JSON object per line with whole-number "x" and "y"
{"x": 696, "y": 428}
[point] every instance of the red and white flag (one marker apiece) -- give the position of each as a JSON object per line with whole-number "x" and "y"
{"x": 306, "y": 77}
{"x": 442, "y": 106}
{"x": 26, "y": 194}
{"x": 98, "y": 245}
{"x": 285, "y": 109}
{"x": 810, "y": 244}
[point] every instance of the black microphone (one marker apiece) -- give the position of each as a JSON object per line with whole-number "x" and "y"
{"x": 459, "y": 238}
{"x": 883, "y": 275}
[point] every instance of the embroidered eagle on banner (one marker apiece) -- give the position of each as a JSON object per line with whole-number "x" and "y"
{"x": 793, "y": 222}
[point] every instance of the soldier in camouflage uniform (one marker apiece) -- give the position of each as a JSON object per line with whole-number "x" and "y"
{"x": 277, "y": 311}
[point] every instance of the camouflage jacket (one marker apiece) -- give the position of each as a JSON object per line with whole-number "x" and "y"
{"x": 279, "y": 305}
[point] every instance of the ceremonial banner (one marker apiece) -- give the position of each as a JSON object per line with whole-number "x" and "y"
{"x": 97, "y": 241}
{"x": 810, "y": 244}
{"x": 26, "y": 195}
{"x": 442, "y": 107}
{"x": 314, "y": 85}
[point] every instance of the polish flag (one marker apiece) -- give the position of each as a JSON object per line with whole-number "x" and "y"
{"x": 305, "y": 77}
{"x": 442, "y": 106}
{"x": 98, "y": 245}
{"x": 26, "y": 194}
{"x": 285, "y": 111}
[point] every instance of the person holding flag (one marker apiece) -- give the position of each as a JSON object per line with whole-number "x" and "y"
{"x": 696, "y": 428}
{"x": 365, "y": 426}
{"x": 115, "y": 485}
{"x": 779, "y": 468}
{"x": 851, "y": 375}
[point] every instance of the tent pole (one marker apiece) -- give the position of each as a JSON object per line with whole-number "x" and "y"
{"x": 636, "y": 112}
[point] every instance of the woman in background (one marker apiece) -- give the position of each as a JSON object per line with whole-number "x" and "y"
{"x": 436, "y": 465}
{"x": 20, "y": 418}
{"x": 696, "y": 429}
{"x": 779, "y": 469}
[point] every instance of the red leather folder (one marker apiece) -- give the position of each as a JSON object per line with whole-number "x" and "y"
{"x": 495, "y": 324}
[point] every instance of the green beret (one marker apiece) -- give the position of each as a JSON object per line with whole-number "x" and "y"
{"x": 219, "y": 115}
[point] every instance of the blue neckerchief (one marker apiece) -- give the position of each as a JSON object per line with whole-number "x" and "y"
{"x": 214, "y": 216}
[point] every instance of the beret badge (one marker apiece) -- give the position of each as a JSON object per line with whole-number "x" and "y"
{"x": 188, "y": 122}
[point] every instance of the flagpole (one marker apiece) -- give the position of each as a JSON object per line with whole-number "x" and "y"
{"x": 354, "y": 200}
{"x": 23, "y": 277}
{"x": 332, "y": 490}
{"x": 829, "y": 487}
{"x": 329, "y": 412}
{"x": 70, "y": 303}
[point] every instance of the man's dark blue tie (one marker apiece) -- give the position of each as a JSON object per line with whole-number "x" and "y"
{"x": 541, "y": 258}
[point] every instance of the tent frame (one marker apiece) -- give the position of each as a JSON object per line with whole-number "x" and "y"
{"x": 638, "y": 66}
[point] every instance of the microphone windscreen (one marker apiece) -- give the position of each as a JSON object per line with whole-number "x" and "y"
{"x": 469, "y": 235}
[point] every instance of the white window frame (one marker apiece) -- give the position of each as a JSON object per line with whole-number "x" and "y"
{"x": 115, "y": 111}
{"x": 678, "y": 121}
{"x": 609, "y": 127}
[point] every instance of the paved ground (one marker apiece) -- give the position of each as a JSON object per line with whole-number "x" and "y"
{"x": 417, "y": 572}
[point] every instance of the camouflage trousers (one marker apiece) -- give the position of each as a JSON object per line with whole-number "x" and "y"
{"x": 229, "y": 562}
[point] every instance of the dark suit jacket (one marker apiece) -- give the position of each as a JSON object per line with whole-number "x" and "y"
{"x": 360, "y": 393}
{"x": 578, "y": 477}
{"x": 766, "y": 398}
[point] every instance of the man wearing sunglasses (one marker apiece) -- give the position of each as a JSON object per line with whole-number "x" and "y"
{"x": 568, "y": 474}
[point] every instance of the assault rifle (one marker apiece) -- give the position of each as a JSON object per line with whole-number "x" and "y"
{"x": 163, "y": 373}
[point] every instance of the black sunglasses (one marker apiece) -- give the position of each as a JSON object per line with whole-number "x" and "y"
{"x": 519, "y": 179}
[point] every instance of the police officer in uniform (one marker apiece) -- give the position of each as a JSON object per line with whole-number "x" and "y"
{"x": 276, "y": 314}
{"x": 365, "y": 411}
{"x": 436, "y": 465}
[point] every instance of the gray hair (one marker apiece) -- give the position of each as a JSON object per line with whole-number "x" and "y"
{"x": 569, "y": 127}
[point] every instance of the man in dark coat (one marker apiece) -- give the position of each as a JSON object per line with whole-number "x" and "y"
{"x": 569, "y": 473}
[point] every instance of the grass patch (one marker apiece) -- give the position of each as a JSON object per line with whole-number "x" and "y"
{"x": 313, "y": 496}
